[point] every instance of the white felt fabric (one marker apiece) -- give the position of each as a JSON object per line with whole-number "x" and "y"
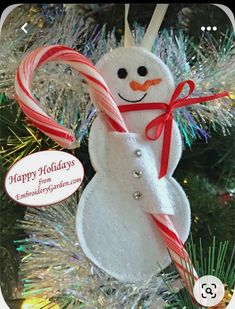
{"x": 115, "y": 230}
{"x": 122, "y": 163}
{"x": 131, "y": 59}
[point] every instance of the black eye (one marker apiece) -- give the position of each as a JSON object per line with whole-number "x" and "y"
{"x": 142, "y": 71}
{"x": 122, "y": 73}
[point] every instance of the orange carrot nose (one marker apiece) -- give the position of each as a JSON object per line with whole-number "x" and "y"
{"x": 145, "y": 86}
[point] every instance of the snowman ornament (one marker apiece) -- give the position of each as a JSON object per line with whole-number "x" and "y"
{"x": 113, "y": 220}
{"x": 133, "y": 217}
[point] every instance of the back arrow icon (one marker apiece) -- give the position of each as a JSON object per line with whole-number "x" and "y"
{"x": 23, "y": 28}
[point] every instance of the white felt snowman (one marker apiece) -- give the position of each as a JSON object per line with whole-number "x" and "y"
{"x": 113, "y": 218}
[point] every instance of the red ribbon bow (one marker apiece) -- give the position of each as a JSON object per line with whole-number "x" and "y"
{"x": 165, "y": 120}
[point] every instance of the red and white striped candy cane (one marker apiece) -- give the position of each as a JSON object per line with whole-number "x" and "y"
{"x": 177, "y": 251}
{"x": 104, "y": 101}
{"x": 98, "y": 88}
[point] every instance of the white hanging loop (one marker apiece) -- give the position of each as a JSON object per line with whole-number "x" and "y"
{"x": 128, "y": 38}
{"x": 154, "y": 26}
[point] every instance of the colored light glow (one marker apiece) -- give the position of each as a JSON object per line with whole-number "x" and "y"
{"x": 38, "y": 303}
{"x": 232, "y": 95}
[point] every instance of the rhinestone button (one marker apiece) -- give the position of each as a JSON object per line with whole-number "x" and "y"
{"x": 138, "y": 153}
{"x": 137, "y": 174}
{"x": 137, "y": 195}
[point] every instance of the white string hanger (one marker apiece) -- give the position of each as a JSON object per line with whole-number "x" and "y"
{"x": 152, "y": 30}
{"x": 128, "y": 37}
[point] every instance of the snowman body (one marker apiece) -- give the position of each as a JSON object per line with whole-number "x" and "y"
{"x": 113, "y": 221}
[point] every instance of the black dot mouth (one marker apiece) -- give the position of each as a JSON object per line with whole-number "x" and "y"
{"x": 133, "y": 101}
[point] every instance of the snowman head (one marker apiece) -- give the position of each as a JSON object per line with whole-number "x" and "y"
{"x": 135, "y": 75}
